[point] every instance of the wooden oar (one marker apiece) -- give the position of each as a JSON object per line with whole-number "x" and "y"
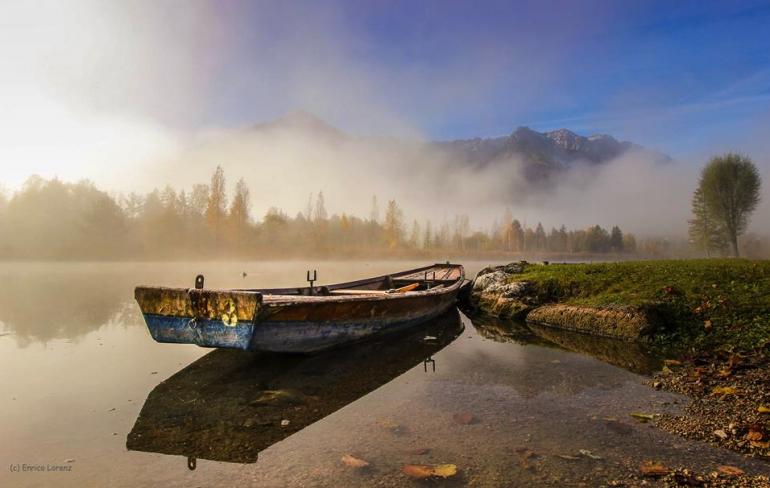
{"x": 403, "y": 289}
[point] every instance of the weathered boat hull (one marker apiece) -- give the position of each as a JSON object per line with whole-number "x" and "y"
{"x": 230, "y": 405}
{"x": 263, "y": 320}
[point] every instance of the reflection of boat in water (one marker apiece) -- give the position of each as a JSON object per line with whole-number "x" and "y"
{"x": 305, "y": 319}
{"x": 229, "y": 405}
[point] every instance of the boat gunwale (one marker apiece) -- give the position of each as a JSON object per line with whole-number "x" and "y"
{"x": 270, "y": 298}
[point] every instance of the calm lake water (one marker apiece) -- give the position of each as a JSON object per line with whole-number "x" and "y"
{"x": 82, "y": 379}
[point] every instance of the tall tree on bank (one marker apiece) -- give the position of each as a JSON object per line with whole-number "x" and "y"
{"x": 616, "y": 239}
{"x": 393, "y": 225}
{"x": 730, "y": 184}
{"x": 239, "y": 217}
{"x": 705, "y": 233}
{"x": 217, "y": 204}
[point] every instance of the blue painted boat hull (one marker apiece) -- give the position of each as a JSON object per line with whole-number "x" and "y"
{"x": 292, "y": 337}
{"x": 297, "y": 320}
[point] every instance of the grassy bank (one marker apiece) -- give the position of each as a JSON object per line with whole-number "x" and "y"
{"x": 700, "y": 304}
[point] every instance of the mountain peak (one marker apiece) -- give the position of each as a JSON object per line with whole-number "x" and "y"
{"x": 301, "y": 121}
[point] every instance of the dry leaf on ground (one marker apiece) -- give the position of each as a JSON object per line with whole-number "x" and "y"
{"x": 464, "y": 418}
{"x": 754, "y": 435}
{"x": 421, "y": 471}
{"x": 730, "y": 470}
{"x": 643, "y": 417}
{"x": 720, "y": 433}
{"x": 653, "y": 469}
{"x": 723, "y": 390}
{"x": 354, "y": 462}
{"x": 589, "y": 454}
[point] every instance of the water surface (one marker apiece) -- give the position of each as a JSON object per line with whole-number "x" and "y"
{"x": 78, "y": 367}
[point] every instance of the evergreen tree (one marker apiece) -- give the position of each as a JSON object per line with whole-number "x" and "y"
{"x": 540, "y": 237}
{"x": 320, "y": 208}
{"x": 517, "y": 236}
{"x": 616, "y": 239}
{"x": 427, "y": 241}
{"x": 374, "y": 214}
{"x": 705, "y": 232}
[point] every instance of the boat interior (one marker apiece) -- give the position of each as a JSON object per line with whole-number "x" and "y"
{"x": 419, "y": 279}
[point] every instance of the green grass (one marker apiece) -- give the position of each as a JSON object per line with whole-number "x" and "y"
{"x": 703, "y": 304}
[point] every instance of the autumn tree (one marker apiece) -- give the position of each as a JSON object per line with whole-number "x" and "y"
{"x": 414, "y": 235}
{"x": 238, "y": 216}
{"x": 217, "y": 203}
{"x": 730, "y": 184}
{"x": 393, "y": 224}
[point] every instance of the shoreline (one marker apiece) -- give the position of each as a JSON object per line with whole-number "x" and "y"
{"x": 710, "y": 318}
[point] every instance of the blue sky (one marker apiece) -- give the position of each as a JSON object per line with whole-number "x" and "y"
{"x": 672, "y": 75}
{"x": 89, "y": 80}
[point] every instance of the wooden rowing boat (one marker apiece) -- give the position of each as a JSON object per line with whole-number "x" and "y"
{"x": 302, "y": 320}
{"x": 230, "y": 405}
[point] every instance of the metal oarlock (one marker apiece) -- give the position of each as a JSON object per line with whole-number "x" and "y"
{"x": 312, "y": 279}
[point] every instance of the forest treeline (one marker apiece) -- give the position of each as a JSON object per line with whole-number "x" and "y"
{"x": 52, "y": 219}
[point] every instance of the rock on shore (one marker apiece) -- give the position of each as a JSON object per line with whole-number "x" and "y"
{"x": 497, "y": 291}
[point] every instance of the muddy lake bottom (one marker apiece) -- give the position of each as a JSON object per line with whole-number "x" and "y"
{"x": 78, "y": 366}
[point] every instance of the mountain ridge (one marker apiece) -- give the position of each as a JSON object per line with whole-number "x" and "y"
{"x": 542, "y": 154}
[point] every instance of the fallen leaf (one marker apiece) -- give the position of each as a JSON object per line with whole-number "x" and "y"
{"x": 724, "y": 373}
{"x": 653, "y": 469}
{"x": 417, "y": 471}
{"x": 672, "y": 362}
{"x": 760, "y": 445}
{"x": 643, "y": 417}
{"x": 730, "y": 470}
{"x": 724, "y": 390}
{"x": 444, "y": 470}
{"x": 568, "y": 457}
{"x": 421, "y": 471}
{"x": 754, "y": 434}
{"x": 464, "y": 418}
{"x": 707, "y": 325}
{"x": 763, "y": 409}
{"x": 354, "y": 462}
{"x": 589, "y": 454}
{"x": 720, "y": 433}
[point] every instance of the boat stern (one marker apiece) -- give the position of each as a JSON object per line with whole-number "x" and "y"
{"x": 207, "y": 318}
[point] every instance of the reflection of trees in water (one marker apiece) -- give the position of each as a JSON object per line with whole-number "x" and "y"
{"x": 41, "y": 302}
{"x": 229, "y": 405}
